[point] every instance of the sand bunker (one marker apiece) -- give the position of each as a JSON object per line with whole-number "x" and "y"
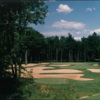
{"x": 29, "y": 65}
{"x": 96, "y": 64}
{"x": 41, "y": 70}
{"x": 94, "y": 70}
{"x": 60, "y": 65}
{"x": 69, "y": 76}
{"x": 35, "y": 72}
{"x": 44, "y": 63}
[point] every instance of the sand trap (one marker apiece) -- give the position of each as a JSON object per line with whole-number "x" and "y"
{"x": 96, "y": 64}
{"x": 69, "y": 76}
{"x": 35, "y": 72}
{"x": 41, "y": 70}
{"x": 94, "y": 70}
{"x": 44, "y": 63}
{"x": 60, "y": 65}
{"x": 29, "y": 65}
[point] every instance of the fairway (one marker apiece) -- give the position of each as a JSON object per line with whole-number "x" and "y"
{"x": 85, "y": 76}
{"x": 60, "y": 70}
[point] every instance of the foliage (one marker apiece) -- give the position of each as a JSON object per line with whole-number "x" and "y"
{"x": 32, "y": 91}
{"x": 15, "y": 17}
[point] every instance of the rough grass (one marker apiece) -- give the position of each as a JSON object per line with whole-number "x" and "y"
{"x": 59, "y": 88}
{"x": 84, "y": 88}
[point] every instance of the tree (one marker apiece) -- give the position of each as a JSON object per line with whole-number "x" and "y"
{"x": 32, "y": 43}
{"x": 62, "y": 47}
{"x": 15, "y": 17}
{"x": 70, "y": 43}
{"x": 93, "y": 42}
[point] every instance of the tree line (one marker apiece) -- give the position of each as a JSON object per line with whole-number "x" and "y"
{"x": 66, "y": 49}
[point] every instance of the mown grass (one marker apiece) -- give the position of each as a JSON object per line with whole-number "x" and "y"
{"x": 84, "y": 88}
{"x": 59, "y": 88}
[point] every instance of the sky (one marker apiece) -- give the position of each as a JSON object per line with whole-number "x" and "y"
{"x": 80, "y": 18}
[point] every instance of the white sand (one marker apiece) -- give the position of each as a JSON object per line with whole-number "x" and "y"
{"x": 29, "y": 65}
{"x": 40, "y": 69}
{"x": 94, "y": 70}
{"x": 96, "y": 65}
{"x": 60, "y": 65}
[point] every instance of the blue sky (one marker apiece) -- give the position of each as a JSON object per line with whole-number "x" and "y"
{"x": 80, "y": 18}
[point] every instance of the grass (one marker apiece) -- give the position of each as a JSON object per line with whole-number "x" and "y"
{"x": 60, "y": 88}
{"x": 84, "y": 88}
{"x": 52, "y": 81}
{"x": 94, "y": 97}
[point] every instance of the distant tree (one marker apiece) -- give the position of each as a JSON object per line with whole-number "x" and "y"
{"x": 62, "y": 47}
{"x": 70, "y": 43}
{"x": 77, "y": 51}
{"x": 93, "y": 42}
{"x": 56, "y": 47}
{"x": 85, "y": 48}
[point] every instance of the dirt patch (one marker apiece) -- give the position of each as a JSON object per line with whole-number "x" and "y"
{"x": 40, "y": 69}
{"x": 94, "y": 70}
{"x": 60, "y": 65}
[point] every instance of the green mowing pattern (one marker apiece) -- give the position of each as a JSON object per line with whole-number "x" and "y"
{"x": 84, "y": 88}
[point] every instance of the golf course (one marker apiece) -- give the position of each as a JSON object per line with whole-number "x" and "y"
{"x": 84, "y": 76}
{"x": 49, "y": 50}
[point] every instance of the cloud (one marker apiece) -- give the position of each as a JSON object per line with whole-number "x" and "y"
{"x": 52, "y": 0}
{"x": 84, "y": 31}
{"x": 90, "y": 9}
{"x": 56, "y": 33}
{"x": 94, "y": 8}
{"x": 77, "y": 38}
{"x": 48, "y": 14}
{"x": 59, "y": 34}
{"x": 64, "y": 9}
{"x": 96, "y": 30}
{"x": 68, "y": 25}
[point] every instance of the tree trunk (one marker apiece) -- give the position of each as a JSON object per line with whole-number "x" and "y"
{"x": 69, "y": 55}
{"x": 88, "y": 57}
{"x": 84, "y": 56}
{"x": 26, "y": 57}
{"x": 16, "y": 70}
{"x": 19, "y": 67}
{"x": 51, "y": 55}
{"x": 12, "y": 67}
{"x": 19, "y": 70}
{"x": 61, "y": 55}
{"x": 56, "y": 55}
{"x": 47, "y": 57}
{"x": 78, "y": 56}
